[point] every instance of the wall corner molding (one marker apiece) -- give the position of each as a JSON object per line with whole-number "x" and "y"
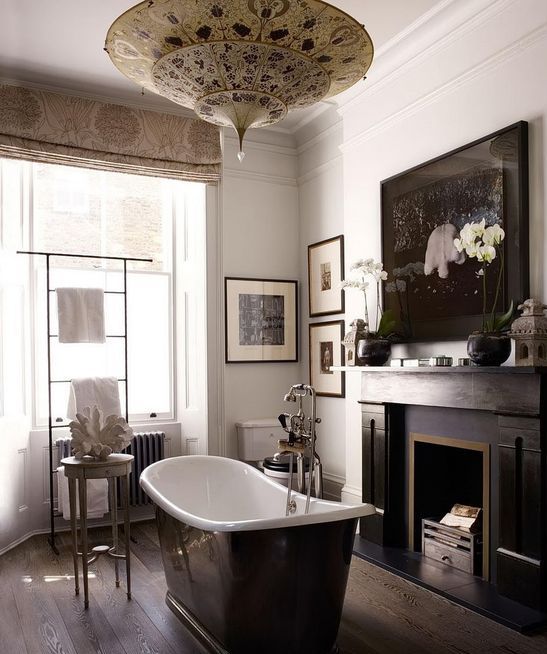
{"x": 258, "y": 146}
{"x": 487, "y": 65}
{"x": 320, "y": 170}
{"x": 265, "y": 178}
{"x": 444, "y": 24}
{"x": 320, "y": 136}
{"x": 352, "y": 494}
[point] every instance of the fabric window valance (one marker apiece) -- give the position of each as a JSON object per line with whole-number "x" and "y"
{"x": 54, "y": 128}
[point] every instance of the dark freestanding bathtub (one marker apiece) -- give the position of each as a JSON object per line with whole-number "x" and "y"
{"x": 242, "y": 576}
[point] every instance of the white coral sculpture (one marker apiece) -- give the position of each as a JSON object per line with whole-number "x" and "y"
{"x": 97, "y": 436}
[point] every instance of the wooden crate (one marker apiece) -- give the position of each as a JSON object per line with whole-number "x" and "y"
{"x": 452, "y": 546}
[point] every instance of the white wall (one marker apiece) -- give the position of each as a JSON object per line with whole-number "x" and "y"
{"x": 15, "y": 467}
{"x": 321, "y": 206}
{"x": 476, "y": 67}
{"x": 260, "y": 238}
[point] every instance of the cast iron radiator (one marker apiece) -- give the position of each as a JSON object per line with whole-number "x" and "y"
{"x": 146, "y": 447}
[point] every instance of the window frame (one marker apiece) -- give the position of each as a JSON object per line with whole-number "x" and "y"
{"x": 170, "y": 190}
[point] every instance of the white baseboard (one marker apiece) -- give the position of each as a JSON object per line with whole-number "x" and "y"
{"x": 142, "y": 517}
{"x": 332, "y": 488}
{"x": 351, "y": 494}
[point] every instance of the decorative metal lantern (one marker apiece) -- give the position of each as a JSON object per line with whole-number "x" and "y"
{"x": 352, "y": 338}
{"x": 530, "y": 334}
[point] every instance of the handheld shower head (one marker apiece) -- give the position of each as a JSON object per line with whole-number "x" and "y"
{"x": 290, "y": 396}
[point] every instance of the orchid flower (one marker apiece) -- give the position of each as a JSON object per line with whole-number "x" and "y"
{"x": 360, "y": 271}
{"x": 484, "y": 244}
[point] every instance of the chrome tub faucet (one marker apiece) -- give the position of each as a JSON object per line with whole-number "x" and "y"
{"x": 301, "y": 441}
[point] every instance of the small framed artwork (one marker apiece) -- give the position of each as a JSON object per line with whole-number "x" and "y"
{"x": 325, "y": 272}
{"x": 326, "y": 350}
{"x": 261, "y": 320}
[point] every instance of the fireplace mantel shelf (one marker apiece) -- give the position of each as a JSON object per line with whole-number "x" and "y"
{"x": 507, "y": 370}
{"x": 500, "y": 389}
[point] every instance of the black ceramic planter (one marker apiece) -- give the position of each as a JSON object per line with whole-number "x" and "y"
{"x": 488, "y": 349}
{"x": 373, "y": 351}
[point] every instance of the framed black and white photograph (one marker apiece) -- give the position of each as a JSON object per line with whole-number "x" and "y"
{"x": 325, "y": 272}
{"x": 326, "y": 351}
{"x": 435, "y": 291}
{"x": 261, "y": 320}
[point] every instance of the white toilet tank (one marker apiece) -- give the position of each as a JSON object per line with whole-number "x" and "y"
{"x": 257, "y": 439}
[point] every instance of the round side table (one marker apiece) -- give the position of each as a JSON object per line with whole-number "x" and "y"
{"x": 116, "y": 465}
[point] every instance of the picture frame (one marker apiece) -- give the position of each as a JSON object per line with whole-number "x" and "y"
{"x": 326, "y": 350}
{"x": 424, "y": 208}
{"x": 261, "y": 320}
{"x": 325, "y": 272}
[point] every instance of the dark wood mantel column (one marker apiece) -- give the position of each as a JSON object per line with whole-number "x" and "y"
{"x": 383, "y": 439}
{"x": 517, "y": 396}
{"x": 521, "y": 556}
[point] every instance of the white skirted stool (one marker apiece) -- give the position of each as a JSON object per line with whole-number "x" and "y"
{"x": 116, "y": 465}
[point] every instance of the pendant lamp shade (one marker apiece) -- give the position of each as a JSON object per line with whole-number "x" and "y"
{"x": 240, "y": 63}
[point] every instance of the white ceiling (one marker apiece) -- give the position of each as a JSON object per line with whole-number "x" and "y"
{"x": 59, "y": 43}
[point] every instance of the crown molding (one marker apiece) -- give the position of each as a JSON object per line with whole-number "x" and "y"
{"x": 474, "y": 72}
{"x": 264, "y": 178}
{"x": 320, "y": 170}
{"x": 321, "y": 136}
{"x": 277, "y": 128}
{"x": 285, "y": 150}
{"x": 312, "y": 113}
{"x": 443, "y": 25}
{"x": 387, "y": 57}
{"x": 427, "y": 17}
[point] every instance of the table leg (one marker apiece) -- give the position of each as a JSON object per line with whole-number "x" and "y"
{"x": 114, "y": 515}
{"x": 82, "y": 487}
{"x": 74, "y": 531}
{"x": 125, "y": 494}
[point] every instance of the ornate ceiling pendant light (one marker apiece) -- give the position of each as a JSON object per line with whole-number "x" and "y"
{"x": 240, "y": 63}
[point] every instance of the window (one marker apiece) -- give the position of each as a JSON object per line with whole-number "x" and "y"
{"x": 84, "y": 211}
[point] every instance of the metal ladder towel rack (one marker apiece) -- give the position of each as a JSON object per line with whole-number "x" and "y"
{"x": 49, "y": 291}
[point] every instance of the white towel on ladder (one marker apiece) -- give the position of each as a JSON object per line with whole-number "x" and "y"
{"x": 81, "y": 315}
{"x": 94, "y": 391}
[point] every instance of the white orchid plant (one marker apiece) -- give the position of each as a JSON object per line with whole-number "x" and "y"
{"x": 485, "y": 244}
{"x": 362, "y": 274}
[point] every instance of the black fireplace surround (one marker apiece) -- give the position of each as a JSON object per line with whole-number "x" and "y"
{"x": 505, "y": 407}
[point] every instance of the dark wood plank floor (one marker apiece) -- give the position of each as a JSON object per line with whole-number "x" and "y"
{"x": 383, "y": 614}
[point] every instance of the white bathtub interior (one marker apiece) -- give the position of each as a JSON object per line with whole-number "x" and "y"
{"x": 216, "y": 493}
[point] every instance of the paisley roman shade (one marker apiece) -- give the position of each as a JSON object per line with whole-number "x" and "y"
{"x": 44, "y": 126}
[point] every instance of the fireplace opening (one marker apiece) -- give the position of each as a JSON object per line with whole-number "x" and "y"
{"x": 444, "y": 472}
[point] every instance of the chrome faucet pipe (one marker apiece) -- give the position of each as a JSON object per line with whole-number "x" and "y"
{"x": 301, "y": 431}
{"x": 311, "y": 391}
{"x": 289, "y": 485}
{"x": 300, "y": 473}
{"x": 318, "y": 481}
